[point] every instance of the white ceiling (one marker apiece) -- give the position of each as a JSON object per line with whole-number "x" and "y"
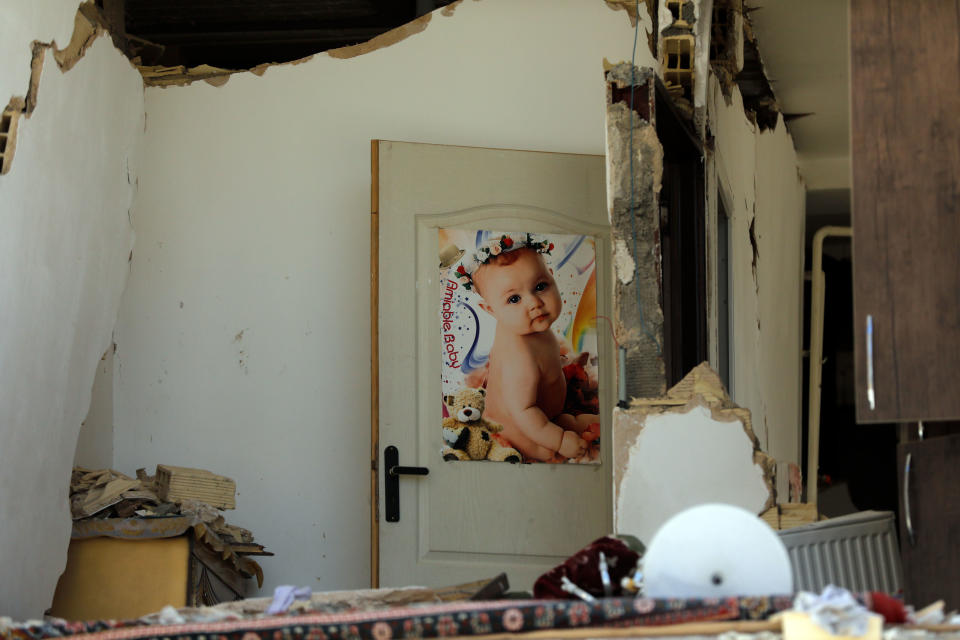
{"x": 804, "y": 47}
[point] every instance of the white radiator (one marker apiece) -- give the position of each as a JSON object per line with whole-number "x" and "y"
{"x": 858, "y": 552}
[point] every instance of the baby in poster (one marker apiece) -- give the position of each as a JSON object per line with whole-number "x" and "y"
{"x": 518, "y": 317}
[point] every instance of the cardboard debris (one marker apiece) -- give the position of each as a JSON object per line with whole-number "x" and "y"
{"x": 93, "y": 491}
{"x": 100, "y": 498}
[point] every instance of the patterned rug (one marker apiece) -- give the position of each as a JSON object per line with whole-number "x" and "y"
{"x": 428, "y": 621}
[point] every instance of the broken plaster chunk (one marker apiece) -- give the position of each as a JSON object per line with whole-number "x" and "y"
{"x": 701, "y": 381}
{"x": 623, "y": 262}
{"x": 691, "y": 448}
{"x": 623, "y": 75}
{"x": 384, "y": 39}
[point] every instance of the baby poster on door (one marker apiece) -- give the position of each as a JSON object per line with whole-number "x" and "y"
{"x": 519, "y": 347}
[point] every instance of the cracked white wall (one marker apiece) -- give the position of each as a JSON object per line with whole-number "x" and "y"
{"x": 65, "y": 238}
{"x": 758, "y": 173}
{"x": 253, "y": 215}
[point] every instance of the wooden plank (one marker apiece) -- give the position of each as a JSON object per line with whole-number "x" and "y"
{"x": 374, "y": 362}
{"x": 797, "y": 514}
{"x": 772, "y": 517}
{"x": 905, "y": 148}
{"x": 181, "y": 483}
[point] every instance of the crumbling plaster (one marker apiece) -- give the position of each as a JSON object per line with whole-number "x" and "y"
{"x": 634, "y": 175}
{"x": 756, "y": 171}
{"x": 756, "y": 174}
{"x": 65, "y": 240}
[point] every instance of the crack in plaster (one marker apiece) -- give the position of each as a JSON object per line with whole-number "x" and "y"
{"x": 756, "y": 251}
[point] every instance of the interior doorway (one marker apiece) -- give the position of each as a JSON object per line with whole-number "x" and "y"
{"x": 682, "y": 242}
{"x": 857, "y": 462}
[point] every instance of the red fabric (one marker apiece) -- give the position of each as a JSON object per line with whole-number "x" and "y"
{"x": 890, "y": 608}
{"x": 583, "y": 569}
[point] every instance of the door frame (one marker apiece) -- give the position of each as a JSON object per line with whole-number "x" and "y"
{"x": 375, "y": 453}
{"x": 374, "y": 363}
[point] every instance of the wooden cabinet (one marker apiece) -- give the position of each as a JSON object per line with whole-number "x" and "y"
{"x": 905, "y": 121}
{"x": 905, "y": 151}
{"x": 930, "y": 520}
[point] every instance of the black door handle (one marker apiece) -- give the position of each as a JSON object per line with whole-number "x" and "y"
{"x": 391, "y": 481}
{"x": 408, "y": 471}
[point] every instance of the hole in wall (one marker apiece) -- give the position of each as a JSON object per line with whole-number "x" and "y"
{"x": 8, "y": 133}
{"x": 241, "y": 34}
{"x": 722, "y": 33}
{"x": 5, "y": 120}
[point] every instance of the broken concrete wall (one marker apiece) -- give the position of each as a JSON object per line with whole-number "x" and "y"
{"x": 634, "y": 174}
{"x": 65, "y": 239}
{"x": 243, "y": 343}
{"x": 756, "y": 170}
{"x": 756, "y": 175}
{"x": 691, "y": 446}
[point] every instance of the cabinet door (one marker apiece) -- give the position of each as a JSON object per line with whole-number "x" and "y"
{"x": 905, "y": 101}
{"x": 931, "y": 555}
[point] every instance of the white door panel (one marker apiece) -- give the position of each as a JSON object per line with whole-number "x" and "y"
{"x": 470, "y": 520}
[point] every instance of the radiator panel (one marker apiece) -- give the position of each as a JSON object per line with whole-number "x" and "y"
{"x": 858, "y": 552}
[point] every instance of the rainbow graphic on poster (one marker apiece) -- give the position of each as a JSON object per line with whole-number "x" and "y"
{"x": 561, "y": 343}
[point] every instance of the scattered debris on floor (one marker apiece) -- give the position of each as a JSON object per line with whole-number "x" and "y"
{"x": 177, "y": 503}
{"x": 173, "y": 491}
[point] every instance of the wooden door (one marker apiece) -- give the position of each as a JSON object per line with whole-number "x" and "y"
{"x": 930, "y": 520}
{"x": 470, "y": 520}
{"x": 905, "y": 101}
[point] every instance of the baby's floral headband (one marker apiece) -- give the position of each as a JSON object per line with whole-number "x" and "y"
{"x": 501, "y": 243}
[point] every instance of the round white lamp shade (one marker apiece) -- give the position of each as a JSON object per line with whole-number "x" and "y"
{"x": 715, "y": 551}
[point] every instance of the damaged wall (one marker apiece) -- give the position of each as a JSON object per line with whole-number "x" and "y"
{"x": 65, "y": 238}
{"x": 634, "y": 176}
{"x": 243, "y": 337}
{"x": 756, "y": 171}
{"x": 689, "y": 447}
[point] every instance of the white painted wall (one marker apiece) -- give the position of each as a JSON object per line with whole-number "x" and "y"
{"x": 23, "y": 22}
{"x": 64, "y": 242}
{"x": 95, "y": 443}
{"x": 758, "y": 171}
{"x": 243, "y": 337}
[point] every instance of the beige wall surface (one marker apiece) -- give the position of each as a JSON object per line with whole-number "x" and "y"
{"x": 65, "y": 238}
{"x": 243, "y": 340}
{"x": 243, "y": 337}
